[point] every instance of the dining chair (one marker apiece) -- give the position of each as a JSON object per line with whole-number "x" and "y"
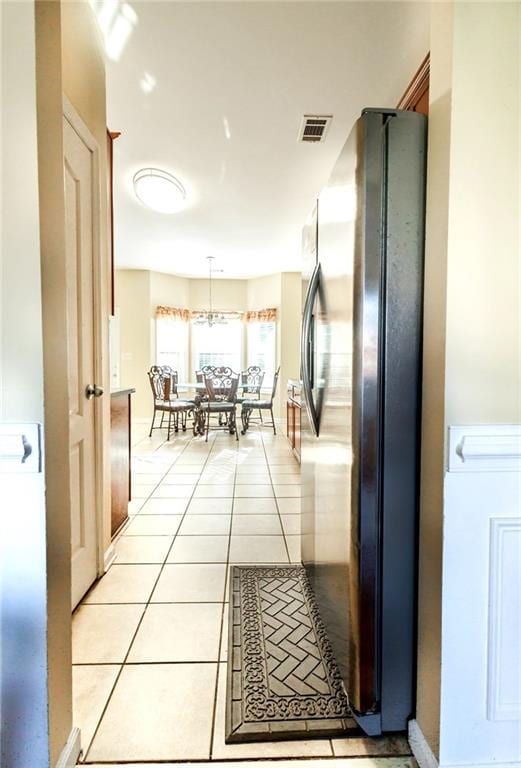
{"x": 174, "y": 379}
{"x": 221, "y": 390}
{"x": 166, "y": 403}
{"x": 251, "y": 385}
{"x": 206, "y": 370}
{"x": 248, "y": 406}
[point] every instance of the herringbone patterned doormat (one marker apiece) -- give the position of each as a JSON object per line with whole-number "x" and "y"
{"x": 283, "y": 682}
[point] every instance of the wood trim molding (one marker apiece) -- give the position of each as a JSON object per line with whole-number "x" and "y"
{"x": 111, "y": 137}
{"x": 417, "y": 86}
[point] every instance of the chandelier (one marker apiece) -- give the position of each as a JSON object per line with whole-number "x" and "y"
{"x": 209, "y": 317}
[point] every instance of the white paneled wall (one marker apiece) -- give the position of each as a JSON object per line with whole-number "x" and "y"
{"x": 481, "y": 601}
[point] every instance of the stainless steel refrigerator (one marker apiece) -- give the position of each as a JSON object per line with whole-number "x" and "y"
{"x": 361, "y": 379}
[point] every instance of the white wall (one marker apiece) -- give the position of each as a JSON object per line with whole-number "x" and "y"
{"x": 24, "y": 726}
{"x": 21, "y": 373}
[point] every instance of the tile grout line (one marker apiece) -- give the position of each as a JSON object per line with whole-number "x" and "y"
{"x": 109, "y": 698}
{"x": 119, "y": 534}
{"x": 223, "y": 609}
{"x": 276, "y": 500}
{"x": 146, "y": 498}
{"x": 258, "y": 444}
{"x": 167, "y": 602}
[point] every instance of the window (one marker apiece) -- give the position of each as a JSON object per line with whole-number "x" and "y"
{"x": 172, "y": 344}
{"x": 262, "y": 346}
{"x": 217, "y": 345}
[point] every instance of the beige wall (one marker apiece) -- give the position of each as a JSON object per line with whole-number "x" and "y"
{"x": 290, "y": 317}
{"x": 264, "y": 292}
{"x": 472, "y": 303}
{"x": 139, "y": 292}
{"x": 53, "y": 260}
{"x": 226, "y": 294}
{"x": 483, "y": 300}
{"x": 132, "y": 297}
{"x": 433, "y": 397}
{"x": 166, "y": 290}
{"x": 69, "y": 59}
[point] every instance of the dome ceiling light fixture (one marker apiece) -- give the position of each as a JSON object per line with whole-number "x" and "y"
{"x": 159, "y": 190}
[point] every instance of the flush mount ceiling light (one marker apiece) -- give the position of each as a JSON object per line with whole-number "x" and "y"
{"x": 159, "y": 190}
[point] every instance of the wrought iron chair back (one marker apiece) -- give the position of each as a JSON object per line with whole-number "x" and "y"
{"x": 206, "y": 371}
{"x": 157, "y": 379}
{"x": 251, "y": 380}
{"x": 174, "y": 378}
{"x": 222, "y": 385}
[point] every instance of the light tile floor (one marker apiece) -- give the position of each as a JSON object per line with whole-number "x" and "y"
{"x": 150, "y": 638}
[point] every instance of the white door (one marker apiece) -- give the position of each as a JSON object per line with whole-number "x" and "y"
{"x": 81, "y": 222}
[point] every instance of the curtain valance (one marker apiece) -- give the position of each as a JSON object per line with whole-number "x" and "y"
{"x": 174, "y": 313}
{"x": 261, "y": 316}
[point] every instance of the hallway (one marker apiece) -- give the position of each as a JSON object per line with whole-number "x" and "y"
{"x": 150, "y": 638}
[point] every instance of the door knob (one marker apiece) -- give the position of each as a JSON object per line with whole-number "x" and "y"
{"x": 92, "y": 390}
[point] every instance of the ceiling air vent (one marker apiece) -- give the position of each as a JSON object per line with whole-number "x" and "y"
{"x": 314, "y": 127}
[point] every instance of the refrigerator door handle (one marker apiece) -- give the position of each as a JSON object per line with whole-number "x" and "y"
{"x": 305, "y": 350}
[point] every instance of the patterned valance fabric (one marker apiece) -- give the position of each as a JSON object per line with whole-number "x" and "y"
{"x": 261, "y": 316}
{"x": 253, "y": 316}
{"x": 228, "y": 314}
{"x": 173, "y": 313}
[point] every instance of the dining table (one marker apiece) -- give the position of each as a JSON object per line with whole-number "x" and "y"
{"x": 198, "y": 388}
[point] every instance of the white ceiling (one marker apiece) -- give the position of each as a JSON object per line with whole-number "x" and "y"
{"x": 232, "y": 82}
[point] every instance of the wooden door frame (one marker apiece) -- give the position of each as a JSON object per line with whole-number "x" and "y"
{"x": 100, "y": 433}
{"x": 417, "y": 86}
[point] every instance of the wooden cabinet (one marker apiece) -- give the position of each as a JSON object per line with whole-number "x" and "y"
{"x": 293, "y": 412}
{"x": 120, "y": 442}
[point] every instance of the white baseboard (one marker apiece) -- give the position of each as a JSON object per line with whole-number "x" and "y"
{"x": 109, "y": 557}
{"x": 71, "y": 751}
{"x": 420, "y": 747}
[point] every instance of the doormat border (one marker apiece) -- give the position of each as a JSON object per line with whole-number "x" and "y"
{"x": 260, "y": 715}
